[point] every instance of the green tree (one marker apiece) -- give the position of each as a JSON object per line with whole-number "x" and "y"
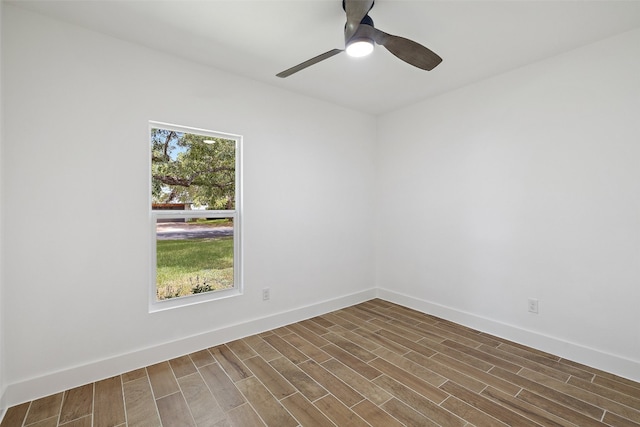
{"x": 190, "y": 168}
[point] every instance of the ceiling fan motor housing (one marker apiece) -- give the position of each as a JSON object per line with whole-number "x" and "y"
{"x": 345, "y": 8}
{"x": 364, "y": 31}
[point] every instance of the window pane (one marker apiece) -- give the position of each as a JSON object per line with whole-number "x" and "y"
{"x": 193, "y": 170}
{"x": 193, "y": 256}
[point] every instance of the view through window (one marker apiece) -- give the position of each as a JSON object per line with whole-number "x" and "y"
{"x": 195, "y": 217}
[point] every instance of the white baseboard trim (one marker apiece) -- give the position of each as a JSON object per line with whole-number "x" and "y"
{"x": 598, "y": 359}
{"x": 69, "y": 378}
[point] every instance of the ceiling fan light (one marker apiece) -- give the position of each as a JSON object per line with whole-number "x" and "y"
{"x": 359, "y": 48}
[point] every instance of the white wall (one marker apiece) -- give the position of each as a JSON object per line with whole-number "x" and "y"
{"x": 2, "y": 382}
{"x": 526, "y": 185}
{"x": 76, "y": 214}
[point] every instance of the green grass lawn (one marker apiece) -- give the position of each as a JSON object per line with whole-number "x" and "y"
{"x": 189, "y": 266}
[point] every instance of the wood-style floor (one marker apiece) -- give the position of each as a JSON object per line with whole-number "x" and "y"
{"x": 374, "y": 364}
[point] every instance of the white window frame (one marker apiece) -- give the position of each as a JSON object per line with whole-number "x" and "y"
{"x": 160, "y": 305}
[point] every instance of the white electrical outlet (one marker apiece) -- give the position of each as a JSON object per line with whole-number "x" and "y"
{"x": 533, "y": 305}
{"x": 266, "y": 294}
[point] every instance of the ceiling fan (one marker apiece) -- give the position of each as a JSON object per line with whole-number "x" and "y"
{"x": 360, "y": 35}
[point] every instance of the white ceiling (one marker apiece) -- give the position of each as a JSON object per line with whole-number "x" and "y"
{"x": 257, "y": 39}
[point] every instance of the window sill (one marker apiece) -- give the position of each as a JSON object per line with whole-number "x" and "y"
{"x": 189, "y": 300}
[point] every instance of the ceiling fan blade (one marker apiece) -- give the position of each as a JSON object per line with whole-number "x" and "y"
{"x": 409, "y": 51}
{"x": 308, "y": 63}
{"x": 356, "y": 11}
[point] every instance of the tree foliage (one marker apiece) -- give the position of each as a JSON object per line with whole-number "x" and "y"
{"x": 186, "y": 169}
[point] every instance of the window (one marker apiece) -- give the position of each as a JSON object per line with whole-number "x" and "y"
{"x": 195, "y": 215}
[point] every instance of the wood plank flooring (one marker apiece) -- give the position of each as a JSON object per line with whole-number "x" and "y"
{"x": 374, "y": 364}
